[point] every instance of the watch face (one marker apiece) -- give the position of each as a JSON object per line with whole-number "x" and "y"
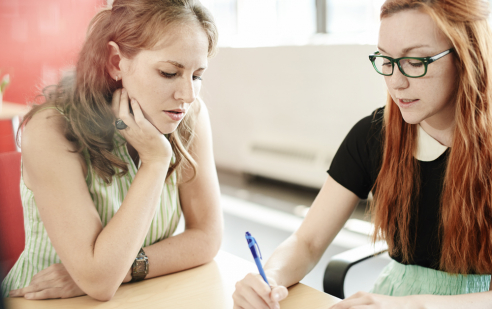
{"x": 140, "y": 269}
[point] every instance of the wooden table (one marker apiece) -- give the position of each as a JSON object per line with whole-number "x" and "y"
{"x": 208, "y": 286}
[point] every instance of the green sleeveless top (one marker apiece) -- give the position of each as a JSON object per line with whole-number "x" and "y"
{"x": 39, "y": 253}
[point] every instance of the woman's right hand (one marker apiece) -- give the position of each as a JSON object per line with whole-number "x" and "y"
{"x": 151, "y": 145}
{"x": 253, "y": 293}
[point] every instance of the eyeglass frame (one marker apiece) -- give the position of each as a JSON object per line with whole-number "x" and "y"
{"x": 425, "y": 60}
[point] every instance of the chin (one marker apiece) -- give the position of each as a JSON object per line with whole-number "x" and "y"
{"x": 167, "y": 129}
{"x": 411, "y": 118}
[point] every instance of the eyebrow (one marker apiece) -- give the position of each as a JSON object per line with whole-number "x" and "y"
{"x": 406, "y": 50}
{"x": 179, "y": 65}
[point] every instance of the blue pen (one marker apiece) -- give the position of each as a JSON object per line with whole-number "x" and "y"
{"x": 251, "y": 243}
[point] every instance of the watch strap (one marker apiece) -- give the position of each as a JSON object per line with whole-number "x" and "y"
{"x": 140, "y": 267}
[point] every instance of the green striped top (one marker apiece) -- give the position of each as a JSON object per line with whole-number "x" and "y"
{"x": 39, "y": 253}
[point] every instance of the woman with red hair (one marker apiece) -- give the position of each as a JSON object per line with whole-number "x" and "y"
{"x": 119, "y": 150}
{"x": 426, "y": 157}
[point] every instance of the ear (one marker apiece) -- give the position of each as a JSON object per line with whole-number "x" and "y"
{"x": 114, "y": 59}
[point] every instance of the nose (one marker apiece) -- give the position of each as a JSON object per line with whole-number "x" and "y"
{"x": 186, "y": 90}
{"x": 397, "y": 80}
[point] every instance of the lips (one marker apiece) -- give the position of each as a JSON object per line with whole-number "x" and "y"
{"x": 175, "y": 114}
{"x": 407, "y": 102}
{"x": 176, "y": 111}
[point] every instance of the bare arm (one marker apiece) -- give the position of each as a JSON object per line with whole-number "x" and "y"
{"x": 200, "y": 201}
{"x": 97, "y": 259}
{"x": 298, "y": 254}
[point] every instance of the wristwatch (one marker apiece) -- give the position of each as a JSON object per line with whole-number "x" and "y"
{"x": 140, "y": 267}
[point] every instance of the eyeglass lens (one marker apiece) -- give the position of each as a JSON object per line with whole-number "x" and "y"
{"x": 411, "y": 67}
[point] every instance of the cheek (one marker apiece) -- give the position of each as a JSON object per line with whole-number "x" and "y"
{"x": 391, "y": 91}
{"x": 197, "y": 87}
{"x": 444, "y": 90}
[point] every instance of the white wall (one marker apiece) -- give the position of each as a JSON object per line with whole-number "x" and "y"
{"x": 282, "y": 112}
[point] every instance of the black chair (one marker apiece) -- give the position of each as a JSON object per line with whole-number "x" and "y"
{"x": 337, "y": 268}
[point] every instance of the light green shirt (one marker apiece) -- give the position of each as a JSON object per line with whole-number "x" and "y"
{"x": 39, "y": 253}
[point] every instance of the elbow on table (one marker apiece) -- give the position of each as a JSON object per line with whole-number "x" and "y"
{"x": 102, "y": 294}
{"x": 101, "y": 289}
{"x": 213, "y": 248}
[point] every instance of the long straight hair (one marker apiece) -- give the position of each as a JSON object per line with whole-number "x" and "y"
{"x": 84, "y": 97}
{"x": 466, "y": 200}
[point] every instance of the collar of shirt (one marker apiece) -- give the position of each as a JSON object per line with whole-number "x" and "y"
{"x": 428, "y": 149}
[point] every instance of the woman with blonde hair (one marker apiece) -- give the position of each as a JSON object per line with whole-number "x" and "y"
{"x": 118, "y": 151}
{"x": 427, "y": 158}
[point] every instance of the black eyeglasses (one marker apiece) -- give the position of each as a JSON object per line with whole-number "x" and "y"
{"x": 409, "y": 66}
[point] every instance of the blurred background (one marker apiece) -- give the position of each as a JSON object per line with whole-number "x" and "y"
{"x": 290, "y": 80}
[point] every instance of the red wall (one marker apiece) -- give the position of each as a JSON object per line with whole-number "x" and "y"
{"x": 37, "y": 39}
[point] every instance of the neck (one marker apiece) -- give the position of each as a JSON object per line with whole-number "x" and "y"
{"x": 441, "y": 126}
{"x": 441, "y": 133}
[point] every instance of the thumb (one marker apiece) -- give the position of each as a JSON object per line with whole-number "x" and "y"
{"x": 279, "y": 293}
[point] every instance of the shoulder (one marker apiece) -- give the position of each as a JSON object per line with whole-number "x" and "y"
{"x": 46, "y": 128}
{"x": 355, "y": 165}
{"x": 44, "y": 145}
{"x": 369, "y": 127}
{"x": 372, "y": 121}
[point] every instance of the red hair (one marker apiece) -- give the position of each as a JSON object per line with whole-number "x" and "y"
{"x": 466, "y": 200}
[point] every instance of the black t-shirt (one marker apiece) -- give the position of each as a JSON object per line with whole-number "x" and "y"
{"x": 356, "y": 166}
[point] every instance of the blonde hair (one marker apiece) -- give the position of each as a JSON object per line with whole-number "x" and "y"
{"x": 85, "y": 97}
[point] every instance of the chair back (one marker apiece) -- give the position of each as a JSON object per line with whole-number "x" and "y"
{"x": 11, "y": 214}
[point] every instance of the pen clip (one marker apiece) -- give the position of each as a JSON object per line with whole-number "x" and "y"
{"x": 253, "y": 243}
{"x": 258, "y": 246}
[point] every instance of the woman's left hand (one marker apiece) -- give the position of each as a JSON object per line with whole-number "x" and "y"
{"x": 52, "y": 282}
{"x": 364, "y": 300}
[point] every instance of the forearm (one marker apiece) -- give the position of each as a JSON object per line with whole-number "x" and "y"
{"x": 189, "y": 249}
{"x": 463, "y": 301}
{"x": 116, "y": 246}
{"x": 290, "y": 262}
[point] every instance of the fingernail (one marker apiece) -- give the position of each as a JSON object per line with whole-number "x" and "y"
{"x": 276, "y": 296}
{"x": 277, "y": 306}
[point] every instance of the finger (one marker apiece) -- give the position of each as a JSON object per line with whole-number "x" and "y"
{"x": 259, "y": 300}
{"x": 44, "y": 294}
{"x": 115, "y": 102}
{"x": 124, "y": 112}
{"x": 47, "y": 273}
{"x": 253, "y": 292}
{"x": 260, "y": 287}
{"x": 357, "y": 295}
{"x": 351, "y": 303}
{"x": 123, "y": 106}
{"x": 279, "y": 293}
{"x": 28, "y": 289}
{"x": 250, "y": 299}
{"x": 14, "y": 293}
{"x": 139, "y": 116}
